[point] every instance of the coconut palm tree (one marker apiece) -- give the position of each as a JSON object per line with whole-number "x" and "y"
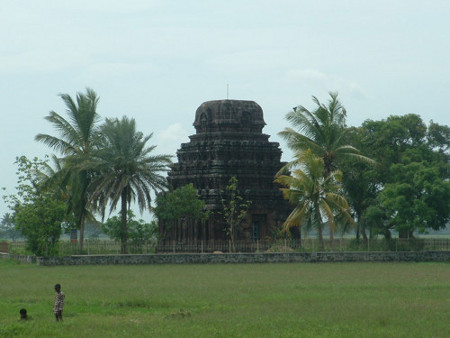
{"x": 324, "y": 132}
{"x": 317, "y": 199}
{"x": 78, "y": 137}
{"x": 126, "y": 170}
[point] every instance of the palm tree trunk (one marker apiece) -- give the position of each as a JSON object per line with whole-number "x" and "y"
{"x": 82, "y": 221}
{"x": 328, "y": 169}
{"x": 319, "y": 227}
{"x": 358, "y": 227}
{"x": 82, "y": 205}
{"x": 331, "y": 236}
{"x": 322, "y": 243}
{"x": 124, "y": 234}
{"x": 363, "y": 232}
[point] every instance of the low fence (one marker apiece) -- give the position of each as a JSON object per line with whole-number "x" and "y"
{"x": 306, "y": 245}
{"x": 109, "y": 247}
{"x": 90, "y": 247}
{"x": 4, "y": 247}
{"x": 236, "y": 258}
{"x": 19, "y": 258}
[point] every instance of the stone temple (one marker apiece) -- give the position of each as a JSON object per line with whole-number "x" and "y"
{"x": 229, "y": 142}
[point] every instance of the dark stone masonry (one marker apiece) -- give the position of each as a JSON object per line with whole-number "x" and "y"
{"x": 238, "y": 258}
{"x": 229, "y": 142}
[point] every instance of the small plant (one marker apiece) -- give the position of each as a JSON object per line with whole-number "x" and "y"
{"x": 234, "y": 210}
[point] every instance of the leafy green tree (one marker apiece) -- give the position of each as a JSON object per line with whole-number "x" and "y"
{"x": 78, "y": 137}
{"x": 324, "y": 132}
{"x": 417, "y": 200}
{"x": 412, "y": 175}
{"x": 37, "y": 214}
{"x": 359, "y": 182}
{"x": 125, "y": 170}
{"x": 139, "y": 232}
{"x": 234, "y": 210}
{"x": 317, "y": 199}
{"x": 388, "y": 140}
{"x": 40, "y": 222}
{"x": 178, "y": 208}
{"x": 438, "y": 138}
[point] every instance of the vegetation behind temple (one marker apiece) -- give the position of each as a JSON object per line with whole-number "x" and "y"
{"x": 404, "y": 189}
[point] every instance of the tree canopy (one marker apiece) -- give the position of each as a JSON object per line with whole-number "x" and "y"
{"x": 317, "y": 199}
{"x": 39, "y": 214}
{"x": 125, "y": 170}
{"x": 323, "y": 131}
{"x": 412, "y": 176}
{"x": 180, "y": 207}
{"x": 78, "y": 137}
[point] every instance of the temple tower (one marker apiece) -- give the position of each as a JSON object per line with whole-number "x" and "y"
{"x": 229, "y": 142}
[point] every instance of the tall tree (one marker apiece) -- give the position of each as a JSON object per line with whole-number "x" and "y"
{"x": 412, "y": 176}
{"x": 324, "y": 132}
{"x": 359, "y": 183}
{"x": 78, "y": 137}
{"x": 417, "y": 200}
{"x": 126, "y": 171}
{"x": 317, "y": 199}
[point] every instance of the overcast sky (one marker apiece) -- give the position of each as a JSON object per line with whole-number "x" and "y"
{"x": 157, "y": 61}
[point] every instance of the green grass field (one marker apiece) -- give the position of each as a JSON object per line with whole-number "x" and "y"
{"x": 265, "y": 300}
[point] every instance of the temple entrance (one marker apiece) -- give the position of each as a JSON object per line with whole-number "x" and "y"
{"x": 256, "y": 230}
{"x": 258, "y": 226}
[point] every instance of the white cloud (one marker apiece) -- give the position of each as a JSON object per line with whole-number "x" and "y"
{"x": 296, "y": 75}
{"x": 170, "y": 139}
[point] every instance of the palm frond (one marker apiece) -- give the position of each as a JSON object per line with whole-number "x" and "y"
{"x": 296, "y": 217}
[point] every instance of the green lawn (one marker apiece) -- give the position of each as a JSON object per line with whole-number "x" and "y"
{"x": 265, "y": 300}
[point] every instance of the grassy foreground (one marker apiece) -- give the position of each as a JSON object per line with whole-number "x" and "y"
{"x": 265, "y": 300}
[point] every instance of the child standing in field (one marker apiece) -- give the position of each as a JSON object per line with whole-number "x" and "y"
{"x": 23, "y": 315}
{"x": 58, "y": 308}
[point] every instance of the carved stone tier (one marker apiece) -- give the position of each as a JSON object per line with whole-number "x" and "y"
{"x": 229, "y": 142}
